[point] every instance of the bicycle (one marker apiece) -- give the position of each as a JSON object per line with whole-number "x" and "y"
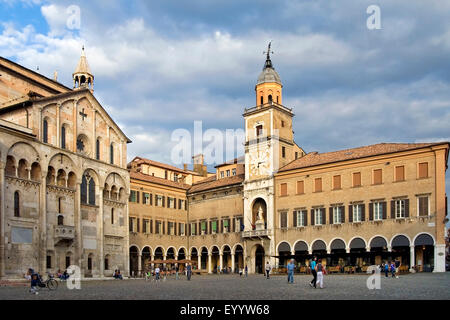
{"x": 51, "y": 283}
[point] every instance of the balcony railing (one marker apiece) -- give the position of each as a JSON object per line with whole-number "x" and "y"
{"x": 64, "y": 233}
{"x": 265, "y": 233}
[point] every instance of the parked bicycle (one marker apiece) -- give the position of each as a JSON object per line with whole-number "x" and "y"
{"x": 50, "y": 283}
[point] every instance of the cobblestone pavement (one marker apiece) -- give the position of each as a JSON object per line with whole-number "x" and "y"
{"x": 412, "y": 286}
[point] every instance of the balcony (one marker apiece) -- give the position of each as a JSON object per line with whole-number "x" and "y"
{"x": 64, "y": 234}
{"x": 256, "y": 234}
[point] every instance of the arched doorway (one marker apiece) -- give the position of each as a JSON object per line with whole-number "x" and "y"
{"x": 226, "y": 259}
{"x": 400, "y": 249}
{"x": 284, "y": 253}
{"x": 238, "y": 258}
{"x": 259, "y": 212}
{"x": 204, "y": 259}
{"x": 146, "y": 257}
{"x": 378, "y": 251}
{"x": 424, "y": 252}
{"x": 194, "y": 257}
{"x": 338, "y": 253}
{"x": 301, "y": 252}
{"x": 181, "y": 254}
{"x": 358, "y": 256}
{"x": 134, "y": 256}
{"x": 215, "y": 256}
{"x": 259, "y": 259}
{"x": 159, "y": 253}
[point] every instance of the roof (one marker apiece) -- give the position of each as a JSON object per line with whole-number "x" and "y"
{"x": 213, "y": 183}
{"x": 83, "y": 66}
{"x": 239, "y": 160}
{"x": 160, "y": 164}
{"x": 315, "y": 158}
{"x": 157, "y": 180}
{"x": 269, "y": 75}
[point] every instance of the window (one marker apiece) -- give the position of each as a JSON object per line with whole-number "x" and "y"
{"x": 233, "y": 171}
{"x": 318, "y": 217}
{"x": 318, "y": 185}
{"x": 357, "y": 179}
{"x": 239, "y": 226}
{"x": 282, "y": 123}
{"x": 146, "y": 198}
{"x": 112, "y": 215}
{"x": 171, "y": 228}
{"x": 259, "y": 130}
{"x": 270, "y": 98}
{"x": 63, "y": 137}
{"x": 336, "y": 182}
{"x": 111, "y": 153}
{"x": 165, "y": 174}
{"x": 377, "y": 176}
{"x": 97, "y": 149}
{"x": 203, "y": 225}
{"x": 399, "y": 206}
{"x": 296, "y": 155}
{"x": 146, "y": 226}
{"x": 338, "y": 215}
{"x": 182, "y": 228}
{"x": 300, "y": 187}
{"x": 60, "y": 220}
{"x": 228, "y": 173}
{"x": 214, "y": 226}
{"x": 89, "y": 263}
{"x": 133, "y": 196}
{"x": 106, "y": 264}
{"x": 16, "y": 204}
{"x": 423, "y": 170}
{"x": 171, "y": 202}
{"x": 49, "y": 262}
{"x": 262, "y": 102}
{"x": 423, "y": 206}
{"x": 226, "y": 225}
{"x": 283, "y": 220}
{"x": 159, "y": 200}
{"x": 283, "y": 189}
{"x": 283, "y": 152}
{"x": 158, "y": 227}
{"x": 80, "y": 144}
{"x": 378, "y": 211}
{"x": 182, "y": 204}
{"x": 300, "y": 218}
{"x": 60, "y": 205}
{"x": 357, "y": 212}
{"x": 132, "y": 227}
{"x": 400, "y": 173}
{"x": 67, "y": 262}
{"x": 222, "y": 174}
{"x": 45, "y": 132}
{"x": 193, "y": 229}
{"x": 87, "y": 190}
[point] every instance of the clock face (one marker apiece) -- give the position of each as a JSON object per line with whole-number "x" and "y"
{"x": 260, "y": 162}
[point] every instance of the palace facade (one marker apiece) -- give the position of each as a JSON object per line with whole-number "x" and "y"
{"x": 351, "y": 208}
{"x": 64, "y": 182}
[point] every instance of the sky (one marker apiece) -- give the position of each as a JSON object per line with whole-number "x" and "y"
{"x": 160, "y": 65}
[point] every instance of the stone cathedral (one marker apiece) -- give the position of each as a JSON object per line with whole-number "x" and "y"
{"x": 62, "y": 175}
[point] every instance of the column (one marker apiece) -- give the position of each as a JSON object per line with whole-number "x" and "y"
{"x": 412, "y": 258}
{"x": 153, "y": 258}
{"x": 43, "y": 224}
{"x": 221, "y": 261}
{"x": 232, "y": 263}
{"x": 100, "y": 235}
{"x": 209, "y": 263}
{"x": 2, "y": 219}
{"x": 164, "y": 258}
{"x": 139, "y": 264}
{"x": 58, "y": 129}
{"x": 78, "y": 254}
{"x": 199, "y": 262}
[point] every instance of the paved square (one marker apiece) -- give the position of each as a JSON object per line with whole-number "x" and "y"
{"x": 412, "y": 286}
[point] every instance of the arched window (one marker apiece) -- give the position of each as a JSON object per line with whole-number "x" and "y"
{"x": 262, "y": 101}
{"x": 270, "y": 98}
{"x": 91, "y": 192}
{"x": 60, "y": 209}
{"x": 111, "y": 153}
{"x": 89, "y": 262}
{"x": 97, "y": 149}
{"x": 45, "y": 132}
{"x": 112, "y": 216}
{"x": 16, "y": 204}
{"x": 83, "y": 189}
{"x": 63, "y": 137}
{"x": 107, "y": 263}
{"x": 60, "y": 220}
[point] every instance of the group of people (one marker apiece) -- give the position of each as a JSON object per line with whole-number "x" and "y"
{"x": 117, "y": 275}
{"x": 157, "y": 273}
{"x": 391, "y": 267}
{"x": 243, "y": 271}
{"x": 63, "y": 276}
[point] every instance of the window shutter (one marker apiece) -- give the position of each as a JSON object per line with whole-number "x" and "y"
{"x": 331, "y": 215}
{"x": 174, "y": 203}
{"x": 312, "y": 217}
{"x": 423, "y": 170}
{"x": 151, "y": 198}
{"x": 294, "y": 219}
{"x": 392, "y": 209}
{"x": 137, "y": 196}
{"x": 163, "y": 201}
{"x": 164, "y": 227}
{"x": 384, "y": 210}
{"x": 234, "y": 224}
{"x": 350, "y": 213}
{"x": 210, "y": 227}
{"x": 151, "y": 226}
{"x": 363, "y": 212}
{"x": 324, "y": 216}
{"x": 305, "y": 215}
{"x": 371, "y": 211}
{"x": 283, "y": 189}
{"x": 407, "y": 208}
{"x": 138, "y": 224}
{"x": 343, "y": 214}
{"x": 190, "y": 229}
{"x": 300, "y": 187}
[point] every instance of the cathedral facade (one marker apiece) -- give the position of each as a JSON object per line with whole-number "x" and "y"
{"x": 64, "y": 182}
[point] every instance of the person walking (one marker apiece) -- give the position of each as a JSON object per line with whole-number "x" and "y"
{"x": 393, "y": 269}
{"x": 177, "y": 270}
{"x": 157, "y": 271}
{"x": 320, "y": 270}
{"x": 314, "y": 273}
{"x": 397, "y": 267}
{"x": 246, "y": 271}
{"x": 268, "y": 269}
{"x": 290, "y": 270}
{"x": 189, "y": 271}
{"x": 386, "y": 269}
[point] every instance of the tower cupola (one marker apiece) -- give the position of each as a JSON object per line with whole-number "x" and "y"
{"x": 83, "y": 77}
{"x": 268, "y": 87}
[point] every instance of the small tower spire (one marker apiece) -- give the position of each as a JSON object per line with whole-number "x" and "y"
{"x": 83, "y": 77}
{"x": 268, "y": 63}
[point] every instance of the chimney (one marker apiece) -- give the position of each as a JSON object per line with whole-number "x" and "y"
{"x": 55, "y": 76}
{"x": 185, "y": 166}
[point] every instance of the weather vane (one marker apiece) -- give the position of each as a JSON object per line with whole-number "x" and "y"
{"x": 268, "y": 52}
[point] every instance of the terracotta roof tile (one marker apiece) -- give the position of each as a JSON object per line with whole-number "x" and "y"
{"x": 315, "y": 158}
{"x": 140, "y": 160}
{"x": 157, "y": 180}
{"x": 212, "y": 183}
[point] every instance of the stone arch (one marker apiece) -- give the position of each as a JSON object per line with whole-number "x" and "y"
{"x": 72, "y": 180}
{"x": 35, "y": 171}
{"x": 84, "y": 145}
{"x": 61, "y": 177}
{"x": 377, "y": 242}
{"x": 170, "y": 252}
{"x": 400, "y": 240}
{"x": 61, "y": 161}
{"x": 23, "y": 150}
{"x": 233, "y": 249}
{"x": 301, "y": 244}
{"x": 357, "y": 242}
{"x": 10, "y": 168}
{"x": 318, "y": 245}
{"x": 159, "y": 252}
{"x": 337, "y": 244}
{"x": 22, "y": 169}
{"x": 257, "y": 203}
{"x": 424, "y": 237}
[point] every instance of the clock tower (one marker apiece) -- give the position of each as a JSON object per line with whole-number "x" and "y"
{"x": 269, "y": 145}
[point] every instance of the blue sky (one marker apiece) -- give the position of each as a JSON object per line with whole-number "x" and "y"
{"x": 162, "y": 64}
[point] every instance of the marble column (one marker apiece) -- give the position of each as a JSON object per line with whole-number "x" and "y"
{"x": 209, "y": 263}
{"x": 2, "y": 219}
{"x": 412, "y": 258}
{"x": 221, "y": 261}
{"x": 232, "y": 262}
